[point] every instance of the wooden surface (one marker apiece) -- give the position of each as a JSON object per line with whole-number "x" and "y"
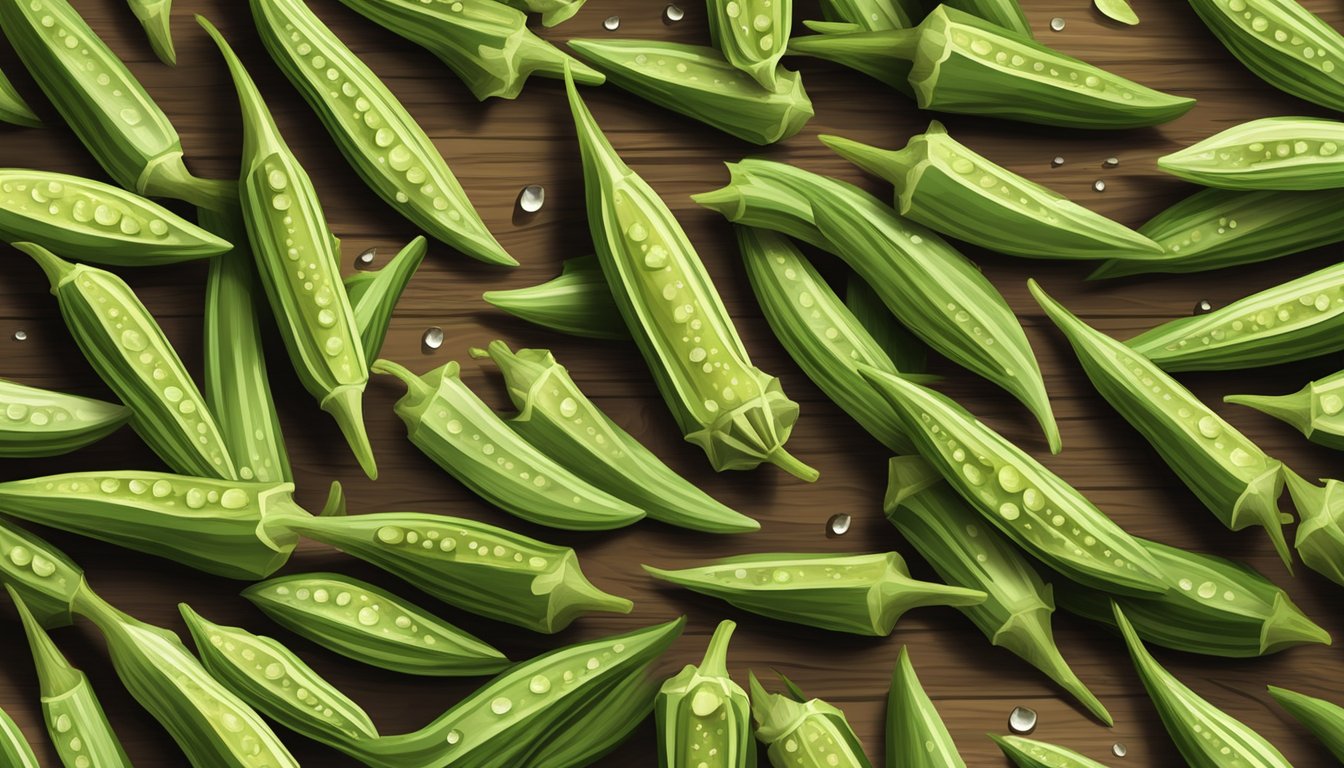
{"x": 499, "y": 147}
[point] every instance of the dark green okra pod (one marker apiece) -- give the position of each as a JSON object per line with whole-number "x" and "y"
{"x": 460, "y": 433}
{"x": 374, "y": 295}
{"x": 1283, "y": 153}
{"x": 552, "y": 11}
{"x": 372, "y": 626}
{"x": 578, "y": 302}
{"x": 1029, "y": 753}
{"x": 903, "y": 347}
{"x": 14, "y": 748}
{"x": 1006, "y": 13}
{"x": 556, "y": 417}
{"x": 156, "y": 16}
{"x": 127, "y": 348}
{"x": 702, "y": 714}
{"x": 103, "y": 103}
{"x": 916, "y": 735}
{"x": 1324, "y": 719}
{"x": 1236, "y": 480}
{"x": 379, "y": 138}
{"x": 13, "y": 109}
{"x": 804, "y": 734}
{"x": 39, "y": 422}
{"x": 872, "y": 15}
{"x": 487, "y": 44}
{"x": 1320, "y": 530}
{"x": 752, "y": 34}
{"x": 1317, "y": 410}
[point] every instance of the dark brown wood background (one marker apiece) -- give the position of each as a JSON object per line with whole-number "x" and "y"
{"x": 499, "y": 147}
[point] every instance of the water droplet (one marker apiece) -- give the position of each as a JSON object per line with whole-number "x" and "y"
{"x": 1203, "y": 307}
{"x": 501, "y": 705}
{"x": 612, "y": 23}
{"x": 838, "y": 525}
{"x": 453, "y": 737}
{"x": 532, "y": 198}
{"x": 672, "y": 14}
{"x": 568, "y": 407}
{"x": 63, "y": 724}
{"x": 1099, "y": 186}
{"x": 273, "y": 671}
{"x": 539, "y": 684}
{"x": 367, "y": 616}
{"x": 20, "y": 335}
{"x": 1057, "y": 24}
{"x": 1058, "y": 161}
{"x": 433, "y": 337}
{"x": 365, "y": 259}
{"x": 1111, "y": 162}
{"x": 1022, "y": 720}
{"x": 234, "y": 498}
{"x": 1119, "y": 750}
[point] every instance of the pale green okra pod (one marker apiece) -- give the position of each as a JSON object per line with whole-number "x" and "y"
{"x": 14, "y": 748}
{"x": 578, "y": 302}
{"x": 41, "y": 575}
{"x": 871, "y": 52}
{"x": 872, "y": 15}
{"x": 1317, "y": 410}
{"x": 552, "y": 11}
{"x": 1320, "y": 532}
{"x": 156, "y": 16}
{"x": 916, "y": 735}
{"x": 1029, "y": 753}
{"x": 1324, "y": 719}
{"x": 374, "y": 295}
{"x": 752, "y": 34}
{"x": 13, "y": 109}
{"x": 804, "y": 734}
{"x": 1285, "y": 153}
{"x": 39, "y": 422}
{"x": 702, "y": 714}
{"x": 1117, "y": 10}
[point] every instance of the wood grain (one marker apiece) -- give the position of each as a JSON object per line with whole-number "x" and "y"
{"x": 499, "y": 147}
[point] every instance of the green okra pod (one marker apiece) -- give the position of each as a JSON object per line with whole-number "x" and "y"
{"x": 1030, "y": 504}
{"x": 697, "y": 82}
{"x": 1236, "y": 480}
{"x": 1296, "y": 320}
{"x": 460, "y": 433}
{"x": 578, "y": 302}
{"x": 75, "y": 719}
{"x": 103, "y": 103}
{"x": 804, "y": 734}
{"x": 701, "y": 713}
{"x": 156, "y": 16}
{"x": 1206, "y": 736}
{"x": 872, "y": 15}
{"x": 1316, "y": 410}
{"x": 1005, "y": 13}
{"x": 916, "y": 735}
{"x": 859, "y": 594}
{"x": 1117, "y": 10}
{"x": 1282, "y": 153}
{"x": 471, "y": 565}
{"x": 91, "y": 221}
{"x": 14, "y": 748}
{"x": 1324, "y": 719}
{"x": 931, "y": 288}
{"x": 946, "y": 186}
{"x": 1217, "y": 228}
{"x": 372, "y": 626}
{"x": 903, "y": 347}
{"x": 556, "y": 417}
{"x": 1030, "y": 753}
{"x": 127, "y": 348}
{"x": 379, "y": 138}
{"x": 13, "y": 109}
{"x": 487, "y": 44}
{"x": 41, "y": 575}
{"x": 374, "y": 295}
{"x": 733, "y": 410}
{"x": 1212, "y": 606}
{"x": 1283, "y": 43}
{"x": 752, "y": 34}
{"x": 965, "y": 552}
{"x": 552, "y": 11}
{"x": 871, "y": 52}
{"x": 39, "y": 422}
{"x": 296, "y": 255}
{"x": 1320, "y": 530}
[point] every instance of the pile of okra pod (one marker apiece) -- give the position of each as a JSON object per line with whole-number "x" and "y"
{"x": 1009, "y": 538}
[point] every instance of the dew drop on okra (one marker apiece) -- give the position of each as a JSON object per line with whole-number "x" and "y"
{"x": 1022, "y": 720}
{"x": 433, "y": 338}
{"x": 532, "y": 198}
{"x": 612, "y": 23}
{"x": 673, "y": 13}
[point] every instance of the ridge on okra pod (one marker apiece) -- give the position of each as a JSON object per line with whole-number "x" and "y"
{"x": 13, "y": 109}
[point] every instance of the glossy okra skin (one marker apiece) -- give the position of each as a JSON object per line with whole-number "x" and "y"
{"x": 1283, "y": 43}
{"x": 703, "y": 715}
{"x": 916, "y": 735}
{"x": 13, "y": 109}
{"x": 1324, "y": 719}
{"x": 1006, "y": 13}
{"x": 556, "y": 417}
{"x": 1317, "y": 410}
{"x": 41, "y": 575}
{"x": 125, "y": 345}
{"x": 372, "y": 626}
{"x": 696, "y": 81}
{"x": 221, "y": 527}
{"x": 1029, "y": 753}
{"x": 297, "y": 258}
{"x": 965, "y": 552}
{"x": 1206, "y": 736}
{"x": 858, "y": 594}
{"x": 374, "y": 295}
{"x": 91, "y": 221}
{"x": 74, "y": 717}
{"x": 872, "y": 15}
{"x": 804, "y": 734}
{"x": 871, "y": 52}
{"x": 552, "y": 11}
{"x": 1213, "y": 607}
{"x": 1283, "y": 153}
{"x": 733, "y": 410}
{"x": 40, "y": 422}
{"x": 487, "y": 44}
{"x": 471, "y": 565}
{"x": 1320, "y": 530}
{"x": 946, "y": 186}
{"x": 103, "y": 103}
{"x": 378, "y": 137}
{"x": 1217, "y": 228}
{"x": 931, "y": 288}
{"x": 156, "y": 17}
{"x": 577, "y": 302}
{"x": 1030, "y": 504}
{"x": 469, "y": 441}
{"x": 237, "y": 385}
{"x": 1291, "y": 321}
{"x": 752, "y": 34}
{"x": 1236, "y": 480}
{"x": 14, "y": 748}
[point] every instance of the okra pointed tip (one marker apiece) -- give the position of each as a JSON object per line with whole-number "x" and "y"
{"x": 158, "y": 26}
{"x": 1288, "y": 626}
{"x": 879, "y": 162}
{"x": 346, "y": 406}
{"x": 715, "y": 661}
{"x": 335, "y": 504}
{"x": 793, "y": 465}
{"x": 55, "y": 268}
{"x": 725, "y": 200}
{"x": 1294, "y": 409}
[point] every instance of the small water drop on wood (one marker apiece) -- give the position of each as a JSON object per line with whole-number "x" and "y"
{"x": 1022, "y": 720}
{"x": 673, "y": 13}
{"x": 1057, "y": 24}
{"x": 433, "y": 338}
{"x": 1098, "y": 186}
{"x": 839, "y": 524}
{"x": 532, "y": 198}
{"x": 1111, "y": 162}
{"x": 20, "y": 335}
{"x": 365, "y": 259}
{"x": 1058, "y": 161}
{"x": 612, "y": 23}
{"x": 1203, "y": 307}
{"x": 1119, "y": 750}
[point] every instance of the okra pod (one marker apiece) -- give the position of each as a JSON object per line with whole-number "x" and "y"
{"x": 858, "y": 594}
{"x": 733, "y": 410}
{"x": 127, "y": 348}
{"x": 1236, "y": 480}
{"x": 14, "y": 748}
{"x": 156, "y": 16}
{"x": 1117, "y": 10}
{"x": 916, "y": 735}
{"x": 946, "y": 186}
{"x": 1324, "y": 719}
{"x": 40, "y": 422}
{"x": 702, "y": 714}
{"x": 804, "y": 734}
{"x": 469, "y": 441}
{"x": 1206, "y": 736}
{"x": 931, "y": 288}
{"x": 556, "y": 417}
{"x": 1029, "y": 753}
{"x": 1316, "y": 410}
{"x": 487, "y": 44}
{"x": 1006, "y": 13}
{"x": 41, "y": 575}
{"x": 870, "y": 52}
{"x": 374, "y": 295}
{"x": 13, "y": 109}
{"x": 965, "y": 552}
{"x": 578, "y": 302}
{"x": 474, "y": 566}
{"x": 104, "y": 104}
{"x": 752, "y": 34}
{"x": 696, "y": 81}
{"x": 372, "y": 626}
{"x": 906, "y": 351}
{"x": 1320, "y": 531}
{"x": 1299, "y": 319}
{"x": 872, "y": 15}
{"x": 1283, "y": 153}
{"x": 1212, "y": 606}
{"x": 379, "y": 138}
{"x": 297, "y": 259}
{"x": 552, "y": 11}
